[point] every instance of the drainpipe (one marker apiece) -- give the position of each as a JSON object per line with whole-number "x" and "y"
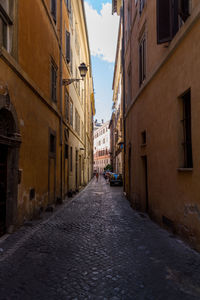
{"x": 123, "y": 72}
{"x": 61, "y": 108}
{"x": 84, "y": 181}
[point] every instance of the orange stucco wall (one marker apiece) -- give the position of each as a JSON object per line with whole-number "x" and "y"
{"x": 156, "y": 108}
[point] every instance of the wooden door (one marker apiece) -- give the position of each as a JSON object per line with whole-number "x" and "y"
{"x": 3, "y": 187}
{"x": 145, "y": 183}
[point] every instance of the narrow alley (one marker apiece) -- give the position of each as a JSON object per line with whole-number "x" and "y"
{"x": 97, "y": 247}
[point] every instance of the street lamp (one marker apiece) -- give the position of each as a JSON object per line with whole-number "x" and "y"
{"x": 82, "y": 69}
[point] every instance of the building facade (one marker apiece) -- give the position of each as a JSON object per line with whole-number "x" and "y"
{"x": 101, "y": 147}
{"x": 161, "y": 70}
{"x": 38, "y": 145}
{"x": 116, "y": 122}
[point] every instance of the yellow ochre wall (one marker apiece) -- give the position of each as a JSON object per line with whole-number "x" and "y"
{"x": 156, "y": 108}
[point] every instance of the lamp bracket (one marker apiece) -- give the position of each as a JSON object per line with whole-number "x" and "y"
{"x": 69, "y": 81}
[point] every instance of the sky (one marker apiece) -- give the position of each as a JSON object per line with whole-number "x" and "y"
{"x": 102, "y": 31}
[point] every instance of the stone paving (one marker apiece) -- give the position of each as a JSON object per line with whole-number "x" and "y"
{"x": 97, "y": 247}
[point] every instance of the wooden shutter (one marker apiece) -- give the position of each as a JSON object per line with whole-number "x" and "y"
{"x": 175, "y": 21}
{"x": 140, "y": 63}
{"x": 184, "y": 9}
{"x": 164, "y": 21}
{"x": 67, "y": 46}
{"x": 144, "y": 58}
{"x": 53, "y": 9}
{"x": 69, "y": 6}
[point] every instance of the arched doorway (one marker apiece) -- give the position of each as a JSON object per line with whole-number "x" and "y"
{"x": 9, "y": 156}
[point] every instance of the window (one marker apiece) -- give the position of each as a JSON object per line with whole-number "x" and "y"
{"x": 53, "y": 81}
{"x": 53, "y": 10}
{"x": 129, "y": 16}
{"x": 82, "y": 130}
{"x": 77, "y": 122}
{"x": 71, "y": 113}
{"x": 71, "y": 61}
{"x": 5, "y": 24}
{"x": 67, "y": 106}
{"x": 186, "y": 122}
{"x": 142, "y": 4}
{"x": 144, "y": 137}
{"x": 67, "y": 46}
{"x": 71, "y": 18}
{"x": 71, "y": 159}
{"x": 52, "y": 143}
{"x": 129, "y": 82}
{"x": 170, "y": 16}
{"x": 66, "y": 151}
{"x": 142, "y": 59}
{"x": 68, "y": 4}
{"x": 82, "y": 98}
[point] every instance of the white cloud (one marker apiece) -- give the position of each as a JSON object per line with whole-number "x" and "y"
{"x": 102, "y": 30}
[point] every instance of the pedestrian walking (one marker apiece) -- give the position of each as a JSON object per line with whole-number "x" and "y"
{"x": 97, "y": 176}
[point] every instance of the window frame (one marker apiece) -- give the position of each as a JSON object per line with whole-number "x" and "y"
{"x": 186, "y": 122}
{"x": 6, "y": 22}
{"x": 67, "y": 105}
{"x": 71, "y": 111}
{"x": 170, "y": 15}
{"x": 71, "y": 159}
{"x": 54, "y": 76}
{"x": 67, "y": 46}
{"x": 54, "y": 10}
{"x": 52, "y": 133}
{"x": 142, "y": 59}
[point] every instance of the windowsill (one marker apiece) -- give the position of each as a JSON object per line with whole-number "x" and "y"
{"x": 185, "y": 169}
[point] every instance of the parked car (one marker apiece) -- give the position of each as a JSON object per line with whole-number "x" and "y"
{"x": 116, "y": 179}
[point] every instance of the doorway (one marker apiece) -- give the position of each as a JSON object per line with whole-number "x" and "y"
{"x": 145, "y": 182}
{"x": 129, "y": 172}
{"x": 66, "y": 170}
{"x": 76, "y": 169}
{"x": 79, "y": 170}
{"x": 3, "y": 187}
{"x": 10, "y": 141}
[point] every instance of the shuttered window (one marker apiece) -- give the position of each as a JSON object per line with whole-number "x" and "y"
{"x": 3, "y": 33}
{"x": 71, "y": 113}
{"x": 53, "y": 9}
{"x": 5, "y": 23}
{"x": 52, "y": 143}
{"x": 168, "y": 14}
{"x": 71, "y": 159}
{"x": 67, "y": 106}
{"x": 142, "y": 4}
{"x": 68, "y": 4}
{"x": 184, "y": 9}
{"x": 164, "y": 21}
{"x": 53, "y": 81}
{"x": 67, "y": 47}
{"x": 187, "y": 136}
{"x": 142, "y": 59}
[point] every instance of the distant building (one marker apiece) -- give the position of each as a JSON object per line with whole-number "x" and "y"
{"x": 101, "y": 146}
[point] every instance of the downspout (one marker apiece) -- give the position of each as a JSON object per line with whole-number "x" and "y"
{"x": 123, "y": 67}
{"x": 61, "y": 108}
{"x": 84, "y": 181}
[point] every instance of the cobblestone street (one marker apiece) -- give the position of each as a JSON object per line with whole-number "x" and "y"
{"x": 97, "y": 247}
